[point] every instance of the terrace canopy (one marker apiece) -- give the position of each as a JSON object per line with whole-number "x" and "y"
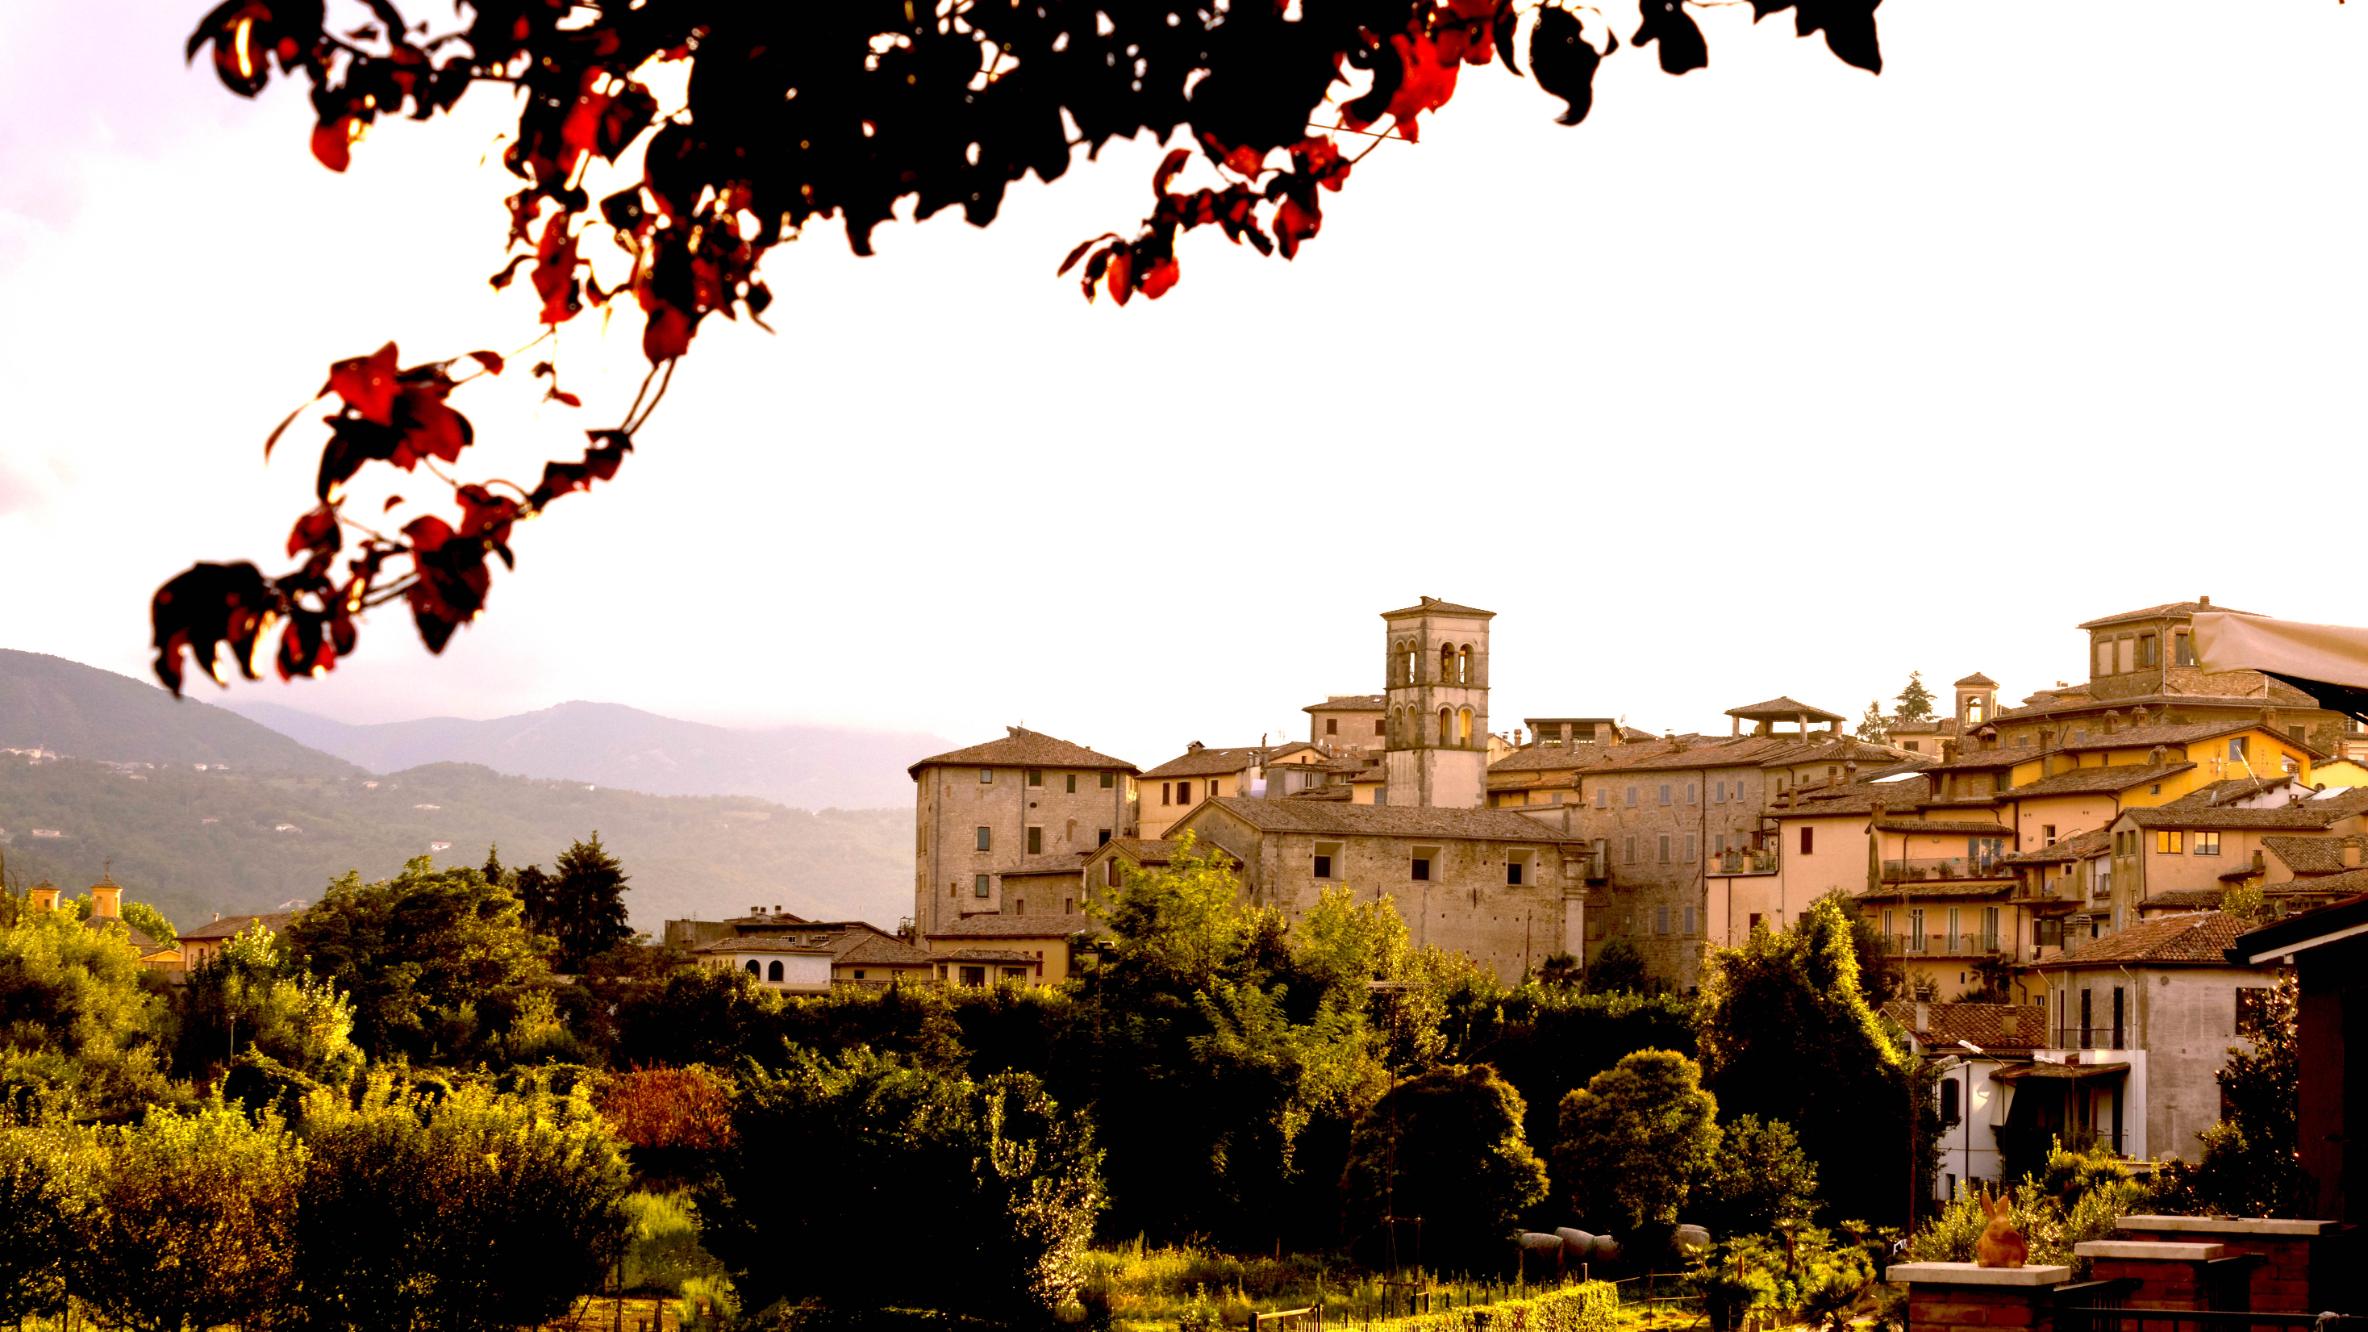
{"x": 2327, "y": 661}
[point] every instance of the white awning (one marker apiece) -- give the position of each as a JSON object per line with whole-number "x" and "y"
{"x": 2327, "y": 661}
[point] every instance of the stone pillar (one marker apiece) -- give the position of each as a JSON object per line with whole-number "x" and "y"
{"x": 2300, "y": 1262}
{"x": 2164, "y": 1274}
{"x": 1962, "y": 1297}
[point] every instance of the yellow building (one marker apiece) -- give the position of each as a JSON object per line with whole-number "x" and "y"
{"x": 106, "y": 913}
{"x": 205, "y": 941}
{"x": 979, "y": 951}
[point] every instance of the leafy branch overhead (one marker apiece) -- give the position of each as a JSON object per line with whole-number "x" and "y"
{"x": 793, "y": 113}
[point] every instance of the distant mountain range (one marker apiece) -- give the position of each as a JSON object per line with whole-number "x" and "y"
{"x": 805, "y": 767}
{"x": 270, "y": 817}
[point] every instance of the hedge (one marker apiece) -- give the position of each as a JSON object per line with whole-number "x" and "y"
{"x": 1589, "y": 1306}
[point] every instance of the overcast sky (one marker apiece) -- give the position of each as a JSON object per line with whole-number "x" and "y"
{"x": 1776, "y": 378}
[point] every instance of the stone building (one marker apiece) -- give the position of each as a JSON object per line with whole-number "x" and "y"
{"x": 1436, "y": 730}
{"x": 1169, "y": 791}
{"x": 1348, "y": 724}
{"x": 990, "y": 808}
{"x": 1497, "y": 886}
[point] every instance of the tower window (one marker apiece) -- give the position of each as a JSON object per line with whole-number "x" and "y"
{"x": 1035, "y": 840}
{"x": 986, "y": 838}
{"x": 1331, "y": 725}
{"x": 978, "y": 886}
{"x": 1422, "y": 869}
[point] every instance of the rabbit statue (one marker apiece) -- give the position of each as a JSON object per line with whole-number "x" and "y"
{"x": 2000, "y": 1245}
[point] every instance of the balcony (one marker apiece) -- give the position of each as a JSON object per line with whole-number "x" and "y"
{"x": 1944, "y": 944}
{"x": 1743, "y": 862}
{"x": 1940, "y": 868}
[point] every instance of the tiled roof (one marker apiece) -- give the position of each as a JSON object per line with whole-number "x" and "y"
{"x": 1066, "y": 862}
{"x": 1745, "y": 751}
{"x": 1434, "y": 606}
{"x": 1051, "y": 926}
{"x": 1144, "y": 850}
{"x": 1964, "y": 827}
{"x": 2098, "y": 781}
{"x": 1993, "y": 1027}
{"x": 1833, "y": 749}
{"x": 1022, "y": 749}
{"x": 864, "y": 949}
{"x": 1975, "y": 760}
{"x": 2309, "y": 855}
{"x": 229, "y": 927}
{"x": 1203, "y": 762}
{"x": 1855, "y": 798}
{"x": 1977, "y": 680}
{"x": 765, "y": 943}
{"x": 2076, "y": 700}
{"x": 2201, "y": 938}
{"x": 1781, "y": 708}
{"x": 1315, "y": 816}
{"x": 1350, "y": 703}
{"x": 1928, "y": 726}
{"x": 2000, "y": 885}
{"x": 2079, "y": 846}
{"x": 2301, "y": 814}
{"x": 2143, "y": 737}
{"x": 2229, "y": 790}
{"x": 985, "y": 955}
{"x": 2169, "y": 609}
{"x": 1550, "y": 757}
{"x": 1324, "y": 793}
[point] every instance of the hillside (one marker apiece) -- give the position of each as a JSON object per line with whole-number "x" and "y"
{"x": 195, "y": 843}
{"x": 68, "y": 708}
{"x": 806, "y": 767}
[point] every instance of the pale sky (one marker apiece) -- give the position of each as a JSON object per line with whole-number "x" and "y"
{"x": 1776, "y": 378}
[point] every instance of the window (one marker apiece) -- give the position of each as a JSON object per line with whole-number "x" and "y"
{"x": 1331, "y": 725}
{"x": 2169, "y": 842}
{"x": 1035, "y": 840}
{"x": 1603, "y": 797}
{"x": 1631, "y": 797}
{"x": 1718, "y": 793}
{"x": 2087, "y": 1026}
{"x": 1015, "y": 973}
{"x": 2149, "y": 650}
{"x": 974, "y": 977}
{"x": 1019, "y": 906}
{"x": 1754, "y": 922}
{"x": 1068, "y": 908}
{"x": 1661, "y": 920}
{"x": 1167, "y": 792}
{"x": 1628, "y": 849}
{"x": 1183, "y": 793}
{"x": 2118, "y": 1029}
{"x": 2047, "y": 834}
{"x": 978, "y": 886}
{"x": 859, "y": 973}
{"x": 2104, "y": 656}
{"x": 1327, "y": 856}
{"x": 1912, "y": 746}
{"x": 1422, "y": 869}
{"x": 2047, "y": 933}
{"x": 1718, "y": 844}
{"x": 2124, "y": 653}
{"x": 1949, "y": 1113}
{"x": 1989, "y": 939}
{"x": 2207, "y": 843}
{"x": 1377, "y": 726}
{"x": 1808, "y": 841}
{"x": 1664, "y": 793}
{"x": 1109, "y": 779}
{"x": 2236, "y": 747}
{"x": 1689, "y": 920}
{"x": 985, "y": 775}
{"x": 752, "y": 968}
{"x": 1693, "y": 793}
{"x": 1693, "y": 852}
{"x": 1110, "y": 872}
{"x": 2182, "y": 649}
{"x": 1035, "y": 776}
{"x": 1071, "y": 782}
{"x": 986, "y": 839}
{"x": 1664, "y": 848}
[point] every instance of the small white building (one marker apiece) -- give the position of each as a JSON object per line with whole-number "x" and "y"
{"x": 1979, "y": 1047}
{"x": 775, "y": 961}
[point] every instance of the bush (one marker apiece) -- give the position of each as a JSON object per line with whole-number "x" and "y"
{"x": 1759, "y": 1179}
{"x": 46, "y": 1189}
{"x": 1588, "y": 1306}
{"x": 662, "y": 1250}
{"x": 1636, "y": 1141}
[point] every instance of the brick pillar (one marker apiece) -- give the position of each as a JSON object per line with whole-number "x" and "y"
{"x": 2165, "y": 1274}
{"x": 2301, "y": 1268}
{"x": 1962, "y": 1297}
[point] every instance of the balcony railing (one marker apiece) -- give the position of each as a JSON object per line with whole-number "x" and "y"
{"x": 2095, "y": 1036}
{"x": 1743, "y": 862}
{"x": 1945, "y": 867}
{"x": 1943, "y": 944}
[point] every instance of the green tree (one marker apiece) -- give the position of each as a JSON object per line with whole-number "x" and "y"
{"x": 1915, "y": 701}
{"x": 2250, "y": 1164}
{"x": 251, "y": 997}
{"x": 1761, "y": 1178}
{"x": 46, "y": 1188}
{"x": 585, "y": 906}
{"x": 149, "y": 921}
{"x": 1787, "y": 1034}
{"x": 832, "y": 1158}
{"x": 1617, "y": 969}
{"x": 1636, "y": 1142}
{"x": 194, "y": 1225}
{"x": 438, "y": 963}
{"x": 80, "y": 1024}
{"x": 1874, "y": 727}
{"x": 466, "y": 1210}
{"x": 1446, "y": 1146}
{"x": 1549, "y": 1042}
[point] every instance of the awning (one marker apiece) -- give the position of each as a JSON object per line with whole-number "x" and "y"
{"x": 2327, "y": 661}
{"x": 2067, "y": 1072}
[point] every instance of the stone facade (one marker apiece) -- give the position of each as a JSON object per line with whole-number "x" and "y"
{"x": 981, "y": 811}
{"x": 1437, "y": 726}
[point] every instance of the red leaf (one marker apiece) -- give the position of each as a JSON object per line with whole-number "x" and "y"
{"x": 1159, "y": 277}
{"x": 1168, "y": 169}
{"x": 555, "y": 271}
{"x": 316, "y": 531}
{"x": 563, "y": 395}
{"x": 367, "y": 383}
{"x": 1122, "y": 266}
{"x": 492, "y": 361}
{"x": 667, "y": 335}
{"x": 333, "y": 142}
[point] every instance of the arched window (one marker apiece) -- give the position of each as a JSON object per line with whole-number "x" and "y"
{"x": 752, "y": 967}
{"x": 773, "y": 970}
{"x": 1447, "y": 664}
{"x": 1446, "y": 726}
{"x": 1463, "y": 727}
{"x": 1463, "y": 665}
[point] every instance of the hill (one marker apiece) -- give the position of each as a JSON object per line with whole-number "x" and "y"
{"x": 809, "y": 767}
{"x": 66, "y": 707}
{"x": 195, "y": 843}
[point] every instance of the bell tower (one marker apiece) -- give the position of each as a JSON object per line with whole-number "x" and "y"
{"x": 1437, "y": 721}
{"x": 1977, "y": 702}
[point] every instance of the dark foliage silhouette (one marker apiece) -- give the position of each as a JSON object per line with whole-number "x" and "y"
{"x": 794, "y": 113}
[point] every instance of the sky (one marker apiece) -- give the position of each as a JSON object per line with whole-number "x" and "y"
{"x": 1777, "y": 378}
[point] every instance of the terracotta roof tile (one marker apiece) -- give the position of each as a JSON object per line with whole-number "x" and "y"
{"x": 1434, "y": 606}
{"x": 1549, "y": 758}
{"x": 1312, "y": 816}
{"x": 1204, "y": 762}
{"x": 1144, "y": 850}
{"x": 232, "y": 926}
{"x": 1064, "y": 862}
{"x": 1952, "y": 827}
{"x": 2099, "y": 781}
{"x": 1977, "y": 680}
{"x": 2169, "y": 609}
{"x": 1994, "y": 1027}
{"x": 2310, "y": 855}
{"x": 1022, "y": 749}
{"x": 1854, "y": 798}
{"x": 2201, "y": 938}
{"x": 1015, "y": 927}
{"x": 1782, "y": 708}
{"x": 1350, "y": 703}
{"x": 2302, "y": 814}
{"x": 2079, "y": 846}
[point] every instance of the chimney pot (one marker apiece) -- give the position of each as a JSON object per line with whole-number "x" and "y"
{"x": 2203, "y": 603}
{"x": 1923, "y": 1016}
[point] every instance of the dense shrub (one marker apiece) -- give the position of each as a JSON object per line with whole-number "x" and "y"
{"x": 1546, "y": 1042}
{"x": 1636, "y": 1142}
{"x": 1587, "y": 1306}
{"x": 47, "y": 1186}
{"x": 1447, "y": 1147}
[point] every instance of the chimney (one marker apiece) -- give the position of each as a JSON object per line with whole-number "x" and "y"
{"x": 217, "y": 917}
{"x": 43, "y": 897}
{"x": 2138, "y": 715}
{"x": 106, "y": 901}
{"x": 1948, "y": 750}
{"x": 1516, "y": 737}
{"x": 1923, "y": 1017}
{"x": 2112, "y": 721}
{"x": 2203, "y": 603}
{"x": 2047, "y": 737}
{"x": 1194, "y": 748}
